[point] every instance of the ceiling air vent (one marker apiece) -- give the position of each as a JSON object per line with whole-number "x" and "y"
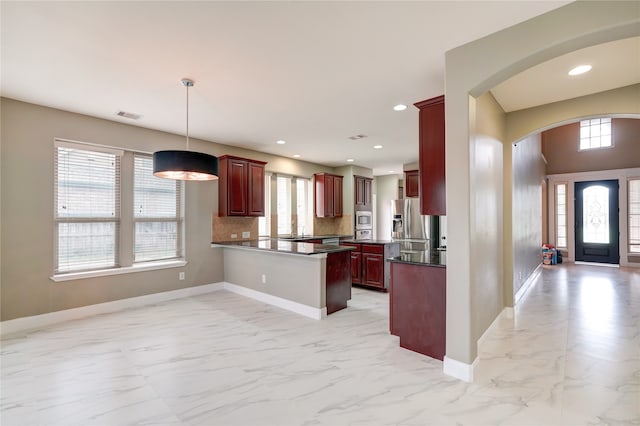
{"x": 130, "y": 115}
{"x": 356, "y": 137}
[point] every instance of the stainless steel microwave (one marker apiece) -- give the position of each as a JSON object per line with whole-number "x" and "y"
{"x": 363, "y": 220}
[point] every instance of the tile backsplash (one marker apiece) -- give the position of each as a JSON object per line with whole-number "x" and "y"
{"x": 223, "y": 228}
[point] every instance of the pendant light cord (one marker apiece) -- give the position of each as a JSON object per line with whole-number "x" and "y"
{"x": 187, "y": 86}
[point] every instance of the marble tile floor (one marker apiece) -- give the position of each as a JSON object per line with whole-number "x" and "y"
{"x": 570, "y": 356}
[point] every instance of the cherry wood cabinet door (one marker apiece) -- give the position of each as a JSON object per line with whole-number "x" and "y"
{"x": 373, "y": 267}
{"x": 328, "y": 195}
{"x": 432, "y": 156}
{"x": 356, "y": 267}
{"x": 359, "y": 190}
{"x": 255, "y": 189}
{"x": 240, "y": 187}
{"x": 412, "y": 183}
{"x": 237, "y": 188}
{"x": 337, "y": 196}
{"x": 368, "y": 193}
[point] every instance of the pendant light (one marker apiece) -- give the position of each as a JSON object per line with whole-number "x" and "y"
{"x": 185, "y": 165}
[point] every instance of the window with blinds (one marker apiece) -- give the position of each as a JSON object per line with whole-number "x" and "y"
{"x": 264, "y": 222}
{"x": 284, "y": 204}
{"x": 87, "y": 207}
{"x": 157, "y": 214}
{"x": 634, "y": 215}
{"x": 304, "y": 206}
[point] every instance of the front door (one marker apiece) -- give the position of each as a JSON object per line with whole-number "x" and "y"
{"x": 597, "y": 233}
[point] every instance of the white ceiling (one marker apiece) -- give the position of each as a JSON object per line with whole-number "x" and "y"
{"x": 310, "y": 73}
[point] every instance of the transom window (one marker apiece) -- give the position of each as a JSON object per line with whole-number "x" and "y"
{"x": 595, "y": 133}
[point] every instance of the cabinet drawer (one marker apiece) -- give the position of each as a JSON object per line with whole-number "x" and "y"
{"x": 357, "y": 246}
{"x": 373, "y": 248}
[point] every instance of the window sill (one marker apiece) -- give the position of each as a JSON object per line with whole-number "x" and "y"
{"x": 151, "y": 266}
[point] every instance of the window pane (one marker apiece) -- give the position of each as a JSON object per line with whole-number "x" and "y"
{"x": 595, "y": 133}
{"x": 561, "y": 214}
{"x": 605, "y": 140}
{"x": 156, "y": 241}
{"x": 87, "y": 208}
{"x": 595, "y": 217}
{"x": 155, "y": 199}
{"x": 264, "y": 222}
{"x": 304, "y": 206}
{"x": 86, "y": 183}
{"x": 88, "y": 245}
{"x": 284, "y": 205}
{"x": 634, "y": 215}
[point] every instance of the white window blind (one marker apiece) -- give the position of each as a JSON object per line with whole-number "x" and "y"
{"x": 634, "y": 215}
{"x": 87, "y": 207}
{"x": 284, "y": 205}
{"x": 157, "y": 214}
{"x": 264, "y": 222}
{"x": 304, "y": 207}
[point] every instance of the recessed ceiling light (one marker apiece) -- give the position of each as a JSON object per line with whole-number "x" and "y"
{"x": 581, "y": 69}
{"x": 391, "y": 171}
{"x": 296, "y": 155}
{"x": 377, "y": 147}
{"x": 350, "y": 160}
{"x": 281, "y": 142}
{"x": 400, "y": 107}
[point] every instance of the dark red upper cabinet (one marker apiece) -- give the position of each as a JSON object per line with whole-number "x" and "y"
{"x": 432, "y": 156}
{"x": 241, "y": 187}
{"x": 363, "y": 193}
{"x": 412, "y": 183}
{"x": 328, "y": 195}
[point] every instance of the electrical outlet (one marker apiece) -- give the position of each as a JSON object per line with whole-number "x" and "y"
{"x": 234, "y": 236}
{"x": 246, "y": 234}
{"x": 264, "y": 279}
{"x": 181, "y": 276}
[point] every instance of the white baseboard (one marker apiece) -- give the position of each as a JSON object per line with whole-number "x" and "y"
{"x": 19, "y": 325}
{"x": 527, "y": 284}
{"x": 459, "y": 370}
{"x": 299, "y": 308}
{"x": 506, "y": 313}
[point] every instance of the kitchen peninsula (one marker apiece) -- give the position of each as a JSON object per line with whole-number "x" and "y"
{"x": 417, "y": 301}
{"x": 311, "y": 279}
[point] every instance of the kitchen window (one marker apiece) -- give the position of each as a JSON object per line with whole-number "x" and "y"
{"x": 595, "y": 133}
{"x": 264, "y": 222}
{"x": 634, "y": 215}
{"x": 304, "y": 206}
{"x": 93, "y": 234}
{"x": 294, "y": 205}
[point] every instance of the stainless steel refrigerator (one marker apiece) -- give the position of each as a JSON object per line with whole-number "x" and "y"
{"x": 417, "y": 231}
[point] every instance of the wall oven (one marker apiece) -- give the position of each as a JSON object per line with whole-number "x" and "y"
{"x": 363, "y": 220}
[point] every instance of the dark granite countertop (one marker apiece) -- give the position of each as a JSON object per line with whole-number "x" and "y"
{"x": 381, "y": 242}
{"x": 314, "y": 237}
{"x": 424, "y": 257}
{"x": 282, "y": 246}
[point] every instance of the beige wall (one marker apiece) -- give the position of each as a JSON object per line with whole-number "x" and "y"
{"x": 302, "y": 281}
{"x": 387, "y": 190}
{"x": 487, "y": 213}
{"x": 560, "y": 147}
{"x": 528, "y": 174}
{"x": 28, "y": 133}
{"x": 623, "y": 101}
{"x": 470, "y": 71}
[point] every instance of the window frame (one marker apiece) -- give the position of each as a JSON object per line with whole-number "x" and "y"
{"x": 629, "y": 242}
{"x": 557, "y": 214}
{"x": 125, "y": 234}
{"x": 591, "y": 125}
